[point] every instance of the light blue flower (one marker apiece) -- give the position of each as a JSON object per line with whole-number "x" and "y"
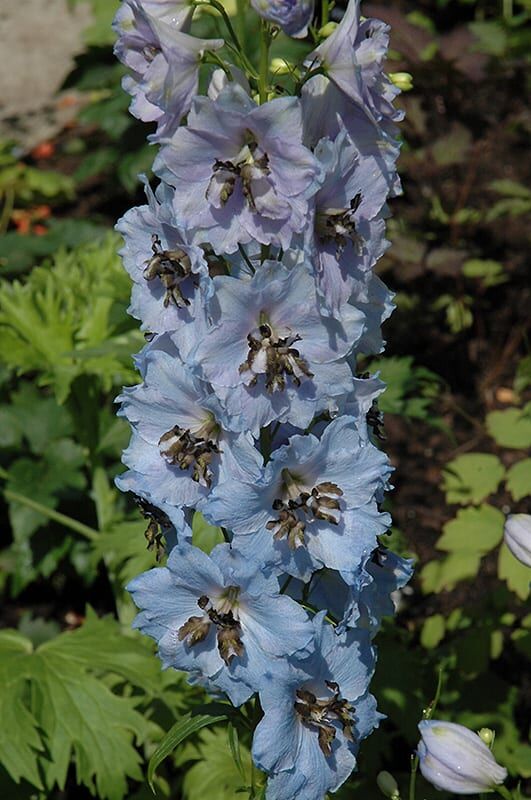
{"x": 270, "y": 355}
{"x": 219, "y": 618}
{"x": 315, "y": 716}
{"x": 163, "y": 59}
{"x": 352, "y": 57}
{"x": 179, "y": 448}
{"x": 454, "y": 759}
{"x": 293, "y": 16}
{"x": 240, "y": 171}
{"x": 346, "y": 236}
{"x": 167, "y": 272}
{"x": 315, "y": 505}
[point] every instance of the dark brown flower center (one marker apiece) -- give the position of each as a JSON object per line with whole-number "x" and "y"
{"x": 185, "y": 450}
{"x": 158, "y": 523}
{"x": 228, "y": 629}
{"x": 298, "y": 506}
{"x": 249, "y": 165}
{"x": 320, "y": 714}
{"x": 338, "y": 225}
{"x": 276, "y": 358}
{"x": 171, "y": 267}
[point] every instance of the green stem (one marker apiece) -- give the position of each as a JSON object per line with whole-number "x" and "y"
{"x": 212, "y": 58}
{"x": 504, "y": 792}
{"x": 241, "y": 7}
{"x": 263, "y": 76}
{"x": 325, "y": 10}
{"x": 62, "y": 519}
{"x": 413, "y": 776}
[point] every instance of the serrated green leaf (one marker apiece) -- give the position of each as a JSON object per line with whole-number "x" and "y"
{"x": 516, "y": 575}
{"x": 473, "y": 530}
{"x": 471, "y": 477}
{"x": 432, "y": 632}
{"x": 215, "y": 773}
{"x": 123, "y": 546}
{"x": 70, "y": 714}
{"x": 444, "y": 574}
{"x": 511, "y": 427}
{"x": 182, "y": 729}
{"x": 518, "y": 479}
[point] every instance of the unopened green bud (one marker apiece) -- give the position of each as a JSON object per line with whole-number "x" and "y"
{"x": 404, "y": 80}
{"x": 387, "y": 785}
{"x": 326, "y": 30}
{"x": 486, "y": 735}
{"x": 279, "y": 66}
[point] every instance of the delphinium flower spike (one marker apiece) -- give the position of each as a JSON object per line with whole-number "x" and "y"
{"x": 252, "y": 265}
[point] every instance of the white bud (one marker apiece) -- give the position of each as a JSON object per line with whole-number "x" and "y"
{"x": 387, "y": 785}
{"x": 517, "y": 535}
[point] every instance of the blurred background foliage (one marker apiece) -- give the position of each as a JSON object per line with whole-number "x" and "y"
{"x": 82, "y": 700}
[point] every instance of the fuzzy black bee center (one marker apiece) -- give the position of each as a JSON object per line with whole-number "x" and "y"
{"x": 223, "y": 614}
{"x": 298, "y": 505}
{"x": 320, "y": 714}
{"x": 249, "y": 165}
{"x": 189, "y": 451}
{"x": 171, "y": 267}
{"x": 275, "y": 357}
{"x": 338, "y": 225}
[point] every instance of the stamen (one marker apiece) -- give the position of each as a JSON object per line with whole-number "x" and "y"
{"x": 171, "y": 267}
{"x": 248, "y": 165}
{"x": 339, "y": 225}
{"x": 229, "y": 631}
{"x": 297, "y": 507}
{"x": 276, "y": 358}
{"x": 158, "y": 523}
{"x": 319, "y": 714}
{"x": 185, "y": 450}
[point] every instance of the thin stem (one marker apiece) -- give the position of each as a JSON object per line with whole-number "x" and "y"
{"x": 263, "y": 75}
{"x": 325, "y": 10}
{"x": 413, "y": 776}
{"x": 246, "y": 258}
{"x": 212, "y": 58}
{"x": 504, "y": 792}
{"x": 241, "y": 7}
{"x": 62, "y": 519}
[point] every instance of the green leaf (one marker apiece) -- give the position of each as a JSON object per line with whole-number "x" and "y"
{"x": 518, "y": 479}
{"x": 216, "y": 773}
{"x": 473, "y": 530}
{"x": 491, "y": 272}
{"x": 523, "y": 374}
{"x": 410, "y": 389}
{"x": 432, "y": 631}
{"x": 205, "y": 536}
{"x": 511, "y": 427}
{"x": 491, "y": 36}
{"x": 70, "y": 714}
{"x": 123, "y": 546}
{"x": 470, "y": 478}
{"x": 443, "y": 575}
{"x": 182, "y": 729}
{"x": 516, "y": 575}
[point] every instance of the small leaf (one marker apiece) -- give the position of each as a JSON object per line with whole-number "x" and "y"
{"x": 205, "y": 536}
{"x": 516, "y": 575}
{"x": 475, "y": 530}
{"x": 432, "y": 631}
{"x": 470, "y": 478}
{"x": 518, "y": 479}
{"x": 178, "y": 733}
{"x": 441, "y": 575}
{"x": 511, "y": 428}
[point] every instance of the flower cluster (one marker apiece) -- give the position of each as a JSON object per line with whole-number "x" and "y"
{"x": 252, "y": 269}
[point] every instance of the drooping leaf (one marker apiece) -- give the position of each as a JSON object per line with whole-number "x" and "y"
{"x": 471, "y": 477}
{"x": 183, "y": 728}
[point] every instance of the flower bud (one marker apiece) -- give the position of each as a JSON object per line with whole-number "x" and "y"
{"x": 387, "y": 785}
{"x": 293, "y": 16}
{"x": 279, "y": 66}
{"x": 327, "y": 30}
{"x": 404, "y": 80}
{"x": 486, "y": 735}
{"x": 517, "y": 535}
{"x": 454, "y": 759}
